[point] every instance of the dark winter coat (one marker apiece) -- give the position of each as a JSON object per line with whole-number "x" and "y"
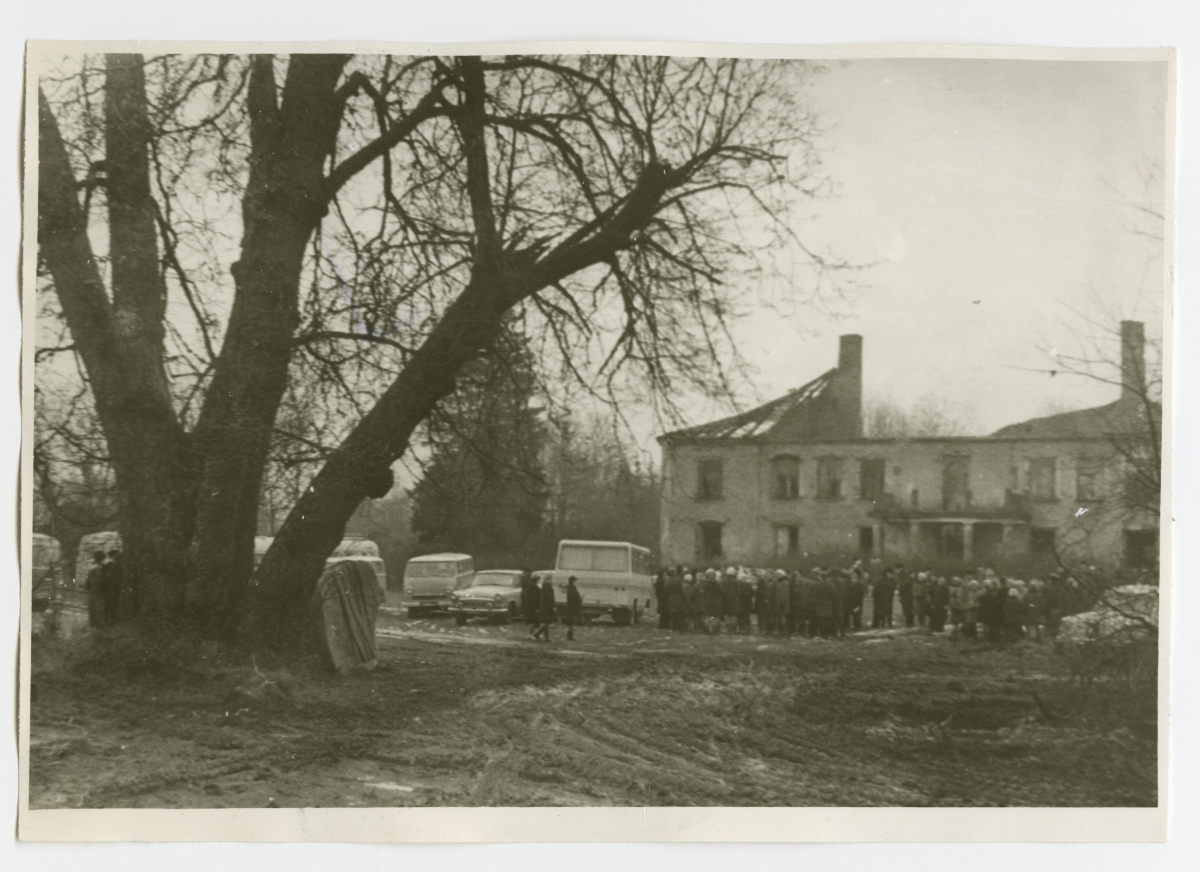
{"x": 574, "y": 604}
{"x": 729, "y": 595}
{"x": 782, "y": 597}
{"x": 673, "y": 589}
{"x": 745, "y": 598}
{"x": 547, "y": 611}
{"x": 823, "y": 598}
{"x": 711, "y": 596}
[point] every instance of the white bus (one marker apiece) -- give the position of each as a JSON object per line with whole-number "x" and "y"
{"x": 613, "y": 578}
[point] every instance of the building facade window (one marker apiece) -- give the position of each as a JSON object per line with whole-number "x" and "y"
{"x": 787, "y": 540}
{"x": 956, "y": 483}
{"x": 1088, "y": 479}
{"x": 829, "y": 478}
{"x": 1042, "y": 542}
{"x": 785, "y": 478}
{"x": 871, "y": 472}
{"x": 1141, "y": 549}
{"x": 708, "y": 540}
{"x": 1041, "y": 478}
{"x": 710, "y": 479}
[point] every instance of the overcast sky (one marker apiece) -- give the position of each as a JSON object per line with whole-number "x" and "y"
{"x": 997, "y": 200}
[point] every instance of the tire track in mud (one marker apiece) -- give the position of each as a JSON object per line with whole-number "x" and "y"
{"x": 462, "y": 639}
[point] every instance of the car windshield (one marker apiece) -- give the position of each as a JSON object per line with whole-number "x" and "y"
{"x": 497, "y": 579}
{"x": 431, "y": 569}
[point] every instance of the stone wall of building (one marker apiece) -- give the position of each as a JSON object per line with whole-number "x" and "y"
{"x": 1015, "y": 491}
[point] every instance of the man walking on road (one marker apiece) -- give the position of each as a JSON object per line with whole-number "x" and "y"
{"x": 545, "y": 610}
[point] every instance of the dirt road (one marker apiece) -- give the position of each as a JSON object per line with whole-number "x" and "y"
{"x": 624, "y": 716}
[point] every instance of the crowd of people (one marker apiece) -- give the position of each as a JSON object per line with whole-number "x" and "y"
{"x": 830, "y": 602}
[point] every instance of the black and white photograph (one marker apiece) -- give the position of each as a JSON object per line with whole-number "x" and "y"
{"x": 665, "y": 427}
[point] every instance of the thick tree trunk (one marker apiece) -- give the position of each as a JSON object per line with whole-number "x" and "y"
{"x": 121, "y": 342}
{"x": 283, "y": 204}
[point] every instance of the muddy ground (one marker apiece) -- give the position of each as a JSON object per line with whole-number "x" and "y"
{"x": 623, "y": 716}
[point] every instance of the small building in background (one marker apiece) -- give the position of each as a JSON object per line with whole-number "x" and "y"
{"x": 795, "y": 483}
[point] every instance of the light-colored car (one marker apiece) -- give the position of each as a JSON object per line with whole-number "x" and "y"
{"x": 495, "y": 593}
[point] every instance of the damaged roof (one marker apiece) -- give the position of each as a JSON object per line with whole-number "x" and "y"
{"x": 758, "y": 421}
{"x": 1126, "y": 416}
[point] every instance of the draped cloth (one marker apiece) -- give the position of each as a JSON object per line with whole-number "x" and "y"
{"x": 346, "y": 604}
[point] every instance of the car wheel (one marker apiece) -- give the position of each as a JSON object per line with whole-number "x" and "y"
{"x": 461, "y": 620}
{"x": 622, "y": 617}
{"x": 414, "y": 613}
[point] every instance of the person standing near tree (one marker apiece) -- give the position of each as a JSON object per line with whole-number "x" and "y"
{"x": 97, "y": 604}
{"x": 114, "y": 584}
{"x": 574, "y": 608}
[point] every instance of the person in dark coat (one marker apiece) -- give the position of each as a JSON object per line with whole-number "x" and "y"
{"x": 854, "y": 605}
{"x": 660, "y": 600}
{"x": 904, "y": 584}
{"x": 546, "y": 610}
{"x": 114, "y": 584}
{"x": 729, "y": 599}
{"x": 97, "y": 606}
{"x": 796, "y": 601}
{"x": 769, "y": 606}
{"x": 808, "y": 604}
{"x": 711, "y": 596}
{"x": 823, "y": 605}
{"x": 529, "y": 599}
{"x": 745, "y": 603}
{"x": 783, "y": 603}
{"x": 691, "y": 604}
{"x": 939, "y": 603}
{"x": 673, "y": 587}
{"x": 574, "y": 608}
{"x": 841, "y": 595}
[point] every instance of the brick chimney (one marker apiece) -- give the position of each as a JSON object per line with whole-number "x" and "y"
{"x": 1133, "y": 360}
{"x": 848, "y": 387}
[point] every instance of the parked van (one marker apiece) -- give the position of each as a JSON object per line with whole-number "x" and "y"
{"x": 428, "y": 581}
{"x": 613, "y": 578}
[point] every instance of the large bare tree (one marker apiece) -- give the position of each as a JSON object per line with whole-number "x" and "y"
{"x": 393, "y": 212}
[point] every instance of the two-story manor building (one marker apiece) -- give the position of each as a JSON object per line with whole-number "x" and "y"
{"x": 795, "y": 483}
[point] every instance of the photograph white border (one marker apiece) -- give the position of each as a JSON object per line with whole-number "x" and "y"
{"x": 599, "y": 824}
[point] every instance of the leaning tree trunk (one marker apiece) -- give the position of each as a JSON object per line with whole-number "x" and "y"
{"x": 361, "y": 468}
